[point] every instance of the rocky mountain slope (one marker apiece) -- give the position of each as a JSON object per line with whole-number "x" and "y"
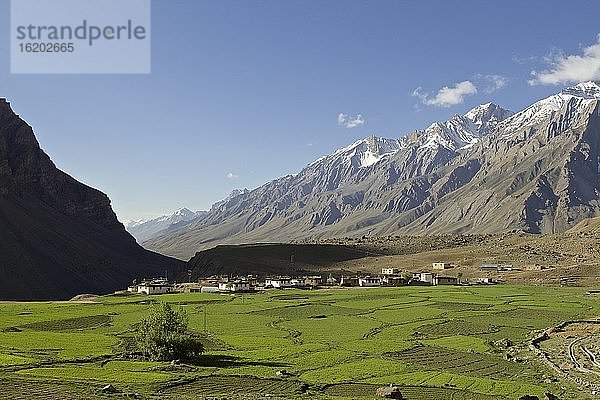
{"x": 146, "y": 229}
{"x": 486, "y": 171}
{"x": 59, "y": 237}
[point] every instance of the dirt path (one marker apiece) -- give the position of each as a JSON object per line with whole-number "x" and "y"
{"x": 572, "y": 355}
{"x": 590, "y": 355}
{"x": 534, "y": 345}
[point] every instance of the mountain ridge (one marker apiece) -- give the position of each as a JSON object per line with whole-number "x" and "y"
{"x": 492, "y": 171}
{"x": 148, "y": 228}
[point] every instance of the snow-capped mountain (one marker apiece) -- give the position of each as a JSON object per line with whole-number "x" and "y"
{"x": 462, "y": 131}
{"x": 228, "y": 201}
{"x": 485, "y": 171}
{"x": 145, "y": 229}
{"x": 365, "y": 152}
{"x": 578, "y": 98}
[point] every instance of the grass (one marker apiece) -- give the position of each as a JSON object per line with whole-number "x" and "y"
{"x": 95, "y": 373}
{"x": 436, "y": 342}
{"x": 233, "y": 385}
{"x": 68, "y": 324}
{"x": 464, "y": 343}
{"x": 54, "y": 345}
{"x": 469, "y": 327}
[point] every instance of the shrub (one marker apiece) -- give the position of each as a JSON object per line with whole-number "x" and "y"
{"x": 164, "y": 335}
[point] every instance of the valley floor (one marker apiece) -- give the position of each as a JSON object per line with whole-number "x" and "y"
{"x": 433, "y": 342}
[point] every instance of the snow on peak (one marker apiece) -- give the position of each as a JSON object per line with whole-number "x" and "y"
{"x": 146, "y": 229}
{"x": 368, "y": 151}
{"x": 586, "y": 90}
{"x": 184, "y": 212}
{"x": 486, "y": 117}
{"x": 480, "y": 109}
{"x": 237, "y": 192}
{"x": 581, "y": 95}
{"x": 456, "y": 133}
{"x": 463, "y": 131}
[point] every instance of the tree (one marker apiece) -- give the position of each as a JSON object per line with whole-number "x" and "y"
{"x": 164, "y": 335}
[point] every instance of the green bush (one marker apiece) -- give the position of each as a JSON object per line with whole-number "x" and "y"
{"x": 164, "y": 335}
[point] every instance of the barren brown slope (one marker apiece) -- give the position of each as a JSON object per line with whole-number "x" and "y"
{"x": 59, "y": 237}
{"x": 560, "y": 255}
{"x": 589, "y": 225}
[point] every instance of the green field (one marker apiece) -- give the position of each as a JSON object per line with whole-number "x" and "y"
{"x": 435, "y": 342}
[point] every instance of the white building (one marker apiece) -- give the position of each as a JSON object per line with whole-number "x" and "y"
{"x": 296, "y": 282}
{"x": 390, "y": 271}
{"x": 155, "y": 286}
{"x": 441, "y": 265}
{"x": 331, "y": 281}
{"x": 234, "y": 286}
{"x": 426, "y": 277}
{"x": 278, "y": 283}
{"x": 369, "y": 281}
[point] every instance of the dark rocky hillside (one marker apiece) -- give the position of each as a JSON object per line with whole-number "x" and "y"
{"x": 59, "y": 237}
{"x": 273, "y": 258}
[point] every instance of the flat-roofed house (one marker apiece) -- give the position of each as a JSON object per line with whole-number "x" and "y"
{"x": 234, "y": 286}
{"x": 390, "y": 271}
{"x": 313, "y": 280}
{"x": 369, "y": 281}
{"x": 155, "y": 286}
{"x": 445, "y": 280}
{"x": 279, "y": 282}
{"x": 423, "y": 278}
{"x": 442, "y": 265}
{"x": 349, "y": 281}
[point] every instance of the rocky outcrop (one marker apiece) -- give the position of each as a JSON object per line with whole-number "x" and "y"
{"x": 389, "y": 392}
{"x": 28, "y": 172}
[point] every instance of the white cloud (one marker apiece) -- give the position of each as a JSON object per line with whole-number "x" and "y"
{"x": 525, "y": 60}
{"x": 570, "y": 68}
{"x": 447, "y": 96}
{"x": 493, "y": 82}
{"x": 231, "y": 175}
{"x": 350, "y": 121}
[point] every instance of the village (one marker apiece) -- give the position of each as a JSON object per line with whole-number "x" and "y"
{"x": 389, "y": 277}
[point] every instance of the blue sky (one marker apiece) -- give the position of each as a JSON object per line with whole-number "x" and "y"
{"x": 242, "y": 92}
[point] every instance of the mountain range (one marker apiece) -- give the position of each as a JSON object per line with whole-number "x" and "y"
{"x": 145, "y": 229}
{"x": 487, "y": 171}
{"x": 59, "y": 237}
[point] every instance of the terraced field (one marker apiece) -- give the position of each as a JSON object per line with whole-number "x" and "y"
{"x": 434, "y": 342}
{"x": 431, "y": 358}
{"x": 408, "y": 392}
